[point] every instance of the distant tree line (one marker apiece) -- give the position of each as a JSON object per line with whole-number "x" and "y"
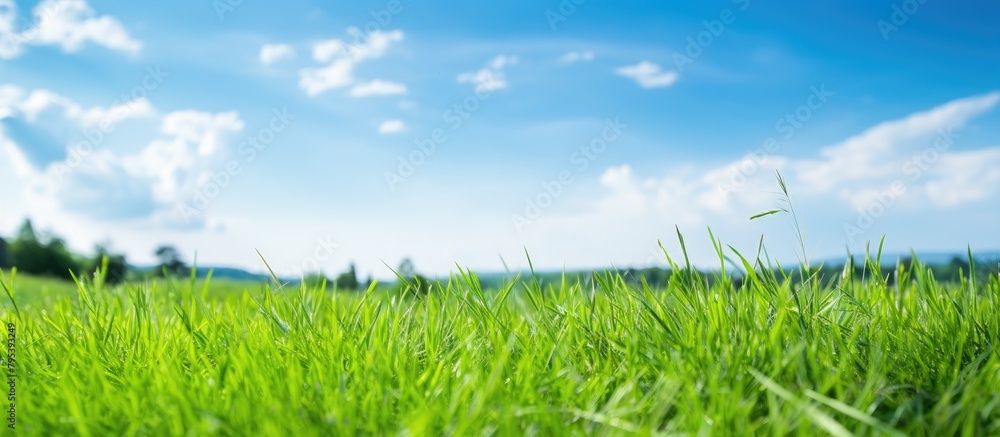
{"x": 410, "y": 280}
{"x": 45, "y": 254}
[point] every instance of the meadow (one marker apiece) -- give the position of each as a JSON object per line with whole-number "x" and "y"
{"x": 707, "y": 354}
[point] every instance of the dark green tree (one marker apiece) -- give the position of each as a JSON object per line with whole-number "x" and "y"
{"x": 169, "y": 261}
{"x": 116, "y": 268}
{"x": 47, "y": 256}
{"x": 59, "y": 259}
{"x": 26, "y": 252}
{"x": 957, "y": 263}
{"x": 27, "y": 233}
{"x": 405, "y": 268}
{"x": 316, "y": 280}
{"x": 3, "y": 254}
{"x": 347, "y": 280}
{"x": 411, "y": 281}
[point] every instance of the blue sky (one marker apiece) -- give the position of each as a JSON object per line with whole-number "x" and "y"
{"x": 453, "y": 132}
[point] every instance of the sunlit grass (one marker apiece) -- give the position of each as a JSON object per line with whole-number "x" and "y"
{"x": 838, "y": 355}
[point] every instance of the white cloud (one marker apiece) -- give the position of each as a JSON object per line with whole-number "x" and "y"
{"x": 871, "y": 154}
{"x": 18, "y": 159}
{"x": 325, "y": 51}
{"x": 10, "y": 40}
{"x": 115, "y": 114}
{"x": 391, "y": 127}
{"x": 485, "y": 79}
{"x": 342, "y": 59}
{"x": 40, "y": 100}
{"x": 271, "y": 53}
{"x": 201, "y": 128}
{"x": 68, "y": 24}
{"x": 851, "y": 173}
{"x": 100, "y": 182}
{"x": 377, "y": 87}
{"x": 963, "y": 177}
{"x": 502, "y": 61}
{"x": 13, "y": 101}
{"x": 171, "y": 166}
{"x": 572, "y": 57}
{"x": 648, "y": 75}
{"x": 375, "y": 47}
{"x": 318, "y": 80}
{"x": 490, "y": 78}
{"x": 628, "y": 198}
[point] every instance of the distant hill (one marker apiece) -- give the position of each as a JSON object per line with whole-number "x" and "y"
{"x": 231, "y": 273}
{"x": 929, "y": 258}
{"x": 496, "y": 279}
{"x": 940, "y": 260}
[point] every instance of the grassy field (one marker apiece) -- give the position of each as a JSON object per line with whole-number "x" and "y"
{"x": 844, "y": 355}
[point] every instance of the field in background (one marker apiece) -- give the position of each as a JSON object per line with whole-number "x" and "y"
{"x": 852, "y": 353}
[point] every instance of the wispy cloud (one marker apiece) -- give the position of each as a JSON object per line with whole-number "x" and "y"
{"x": 391, "y": 127}
{"x": 572, "y": 57}
{"x": 847, "y": 173}
{"x": 648, "y": 75}
{"x": 875, "y": 153}
{"x": 272, "y": 53}
{"x": 68, "y": 24}
{"x": 341, "y": 59}
{"x": 491, "y": 77}
{"x": 377, "y": 87}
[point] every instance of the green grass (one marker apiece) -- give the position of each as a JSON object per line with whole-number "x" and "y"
{"x": 833, "y": 355}
{"x": 41, "y": 292}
